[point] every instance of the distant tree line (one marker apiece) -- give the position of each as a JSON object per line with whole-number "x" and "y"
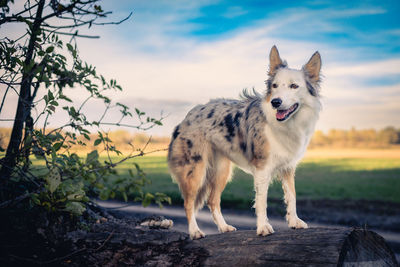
{"x": 122, "y": 139}
{"x": 357, "y": 138}
{"x": 352, "y": 138}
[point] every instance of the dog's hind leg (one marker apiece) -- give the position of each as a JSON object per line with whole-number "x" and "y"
{"x": 218, "y": 176}
{"x": 290, "y": 200}
{"x": 187, "y": 161}
{"x": 190, "y": 182}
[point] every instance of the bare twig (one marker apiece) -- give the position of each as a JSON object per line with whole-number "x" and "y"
{"x": 8, "y": 87}
{"x": 64, "y": 257}
{"x": 74, "y": 34}
{"x": 17, "y": 199}
{"x": 105, "y": 241}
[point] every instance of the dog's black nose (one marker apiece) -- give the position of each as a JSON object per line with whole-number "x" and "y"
{"x": 276, "y": 102}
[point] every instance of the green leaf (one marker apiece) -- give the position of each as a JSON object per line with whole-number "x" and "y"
{"x": 65, "y": 98}
{"x": 105, "y": 194}
{"x": 125, "y": 196}
{"x": 50, "y": 96}
{"x": 70, "y": 47}
{"x": 75, "y": 208}
{"x": 53, "y": 179}
{"x": 76, "y": 196}
{"x": 99, "y": 186}
{"x": 92, "y": 157}
{"x": 57, "y": 146}
{"x": 49, "y": 49}
{"x": 97, "y": 142}
{"x": 35, "y": 199}
{"x": 147, "y": 199}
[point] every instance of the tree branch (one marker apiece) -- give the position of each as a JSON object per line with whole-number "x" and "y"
{"x": 74, "y": 34}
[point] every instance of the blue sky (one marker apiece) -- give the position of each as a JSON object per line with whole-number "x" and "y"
{"x": 172, "y": 55}
{"x": 373, "y": 25}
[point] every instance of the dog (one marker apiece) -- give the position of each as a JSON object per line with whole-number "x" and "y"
{"x": 265, "y": 135}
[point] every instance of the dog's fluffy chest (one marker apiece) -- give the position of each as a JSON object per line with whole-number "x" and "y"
{"x": 286, "y": 147}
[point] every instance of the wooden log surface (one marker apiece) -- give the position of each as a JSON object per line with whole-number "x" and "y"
{"x": 301, "y": 247}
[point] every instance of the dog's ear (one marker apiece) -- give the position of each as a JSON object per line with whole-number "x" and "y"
{"x": 275, "y": 61}
{"x": 313, "y": 67}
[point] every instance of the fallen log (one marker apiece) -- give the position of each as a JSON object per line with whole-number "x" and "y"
{"x": 302, "y": 247}
{"x": 127, "y": 243}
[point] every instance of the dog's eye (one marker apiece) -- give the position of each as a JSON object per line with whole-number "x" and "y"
{"x": 274, "y": 85}
{"x": 294, "y": 86}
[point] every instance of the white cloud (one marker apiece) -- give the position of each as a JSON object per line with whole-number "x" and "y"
{"x": 366, "y": 69}
{"x": 175, "y": 73}
{"x": 188, "y": 70}
{"x": 356, "y": 12}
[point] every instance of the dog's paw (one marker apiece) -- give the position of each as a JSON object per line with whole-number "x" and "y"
{"x": 227, "y": 228}
{"x": 265, "y": 230}
{"x": 297, "y": 223}
{"x": 197, "y": 234}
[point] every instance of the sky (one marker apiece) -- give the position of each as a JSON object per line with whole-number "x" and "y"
{"x": 171, "y": 55}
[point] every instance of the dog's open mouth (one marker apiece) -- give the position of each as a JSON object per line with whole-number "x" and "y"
{"x": 282, "y": 115}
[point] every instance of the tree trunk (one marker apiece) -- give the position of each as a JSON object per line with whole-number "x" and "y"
{"x": 306, "y": 247}
{"x": 128, "y": 244}
{"x": 23, "y": 109}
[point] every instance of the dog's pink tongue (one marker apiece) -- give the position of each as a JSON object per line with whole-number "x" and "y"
{"x": 281, "y": 114}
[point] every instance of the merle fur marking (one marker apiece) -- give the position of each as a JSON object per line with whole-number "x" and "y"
{"x": 189, "y": 143}
{"x": 243, "y": 147}
{"x": 210, "y": 114}
{"x": 236, "y": 119}
{"x": 176, "y": 133}
{"x": 230, "y": 127}
{"x": 253, "y": 103}
{"x": 197, "y": 158}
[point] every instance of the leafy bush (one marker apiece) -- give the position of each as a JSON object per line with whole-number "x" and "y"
{"x": 40, "y": 62}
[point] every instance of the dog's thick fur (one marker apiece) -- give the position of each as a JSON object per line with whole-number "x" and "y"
{"x": 261, "y": 139}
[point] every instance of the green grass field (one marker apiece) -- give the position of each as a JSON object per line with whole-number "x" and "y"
{"x": 367, "y": 177}
{"x": 316, "y": 178}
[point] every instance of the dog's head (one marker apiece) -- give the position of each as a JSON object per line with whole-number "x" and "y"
{"x": 288, "y": 90}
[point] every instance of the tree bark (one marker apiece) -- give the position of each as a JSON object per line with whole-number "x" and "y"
{"x": 303, "y": 247}
{"x": 130, "y": 244}
{"x": 23, "y": 109}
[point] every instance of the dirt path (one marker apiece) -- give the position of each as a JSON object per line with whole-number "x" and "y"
{"x": 242, "y": 220}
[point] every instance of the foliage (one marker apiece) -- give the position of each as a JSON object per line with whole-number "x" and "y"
{"x": 356, "y": 138}
{"x": 41, "y": 65}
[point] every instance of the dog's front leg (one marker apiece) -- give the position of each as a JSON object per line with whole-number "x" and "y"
{"x": 290, "y": 200}
{"x": 261, "y": 183}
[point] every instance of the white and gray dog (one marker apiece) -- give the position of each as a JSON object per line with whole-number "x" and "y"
{"x": 265, "y": 135}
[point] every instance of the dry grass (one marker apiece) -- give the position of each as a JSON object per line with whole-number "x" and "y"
{"x": 335, "y": 153}
{"x": 392, "y": 152}
{"x": 389, "y": 153}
